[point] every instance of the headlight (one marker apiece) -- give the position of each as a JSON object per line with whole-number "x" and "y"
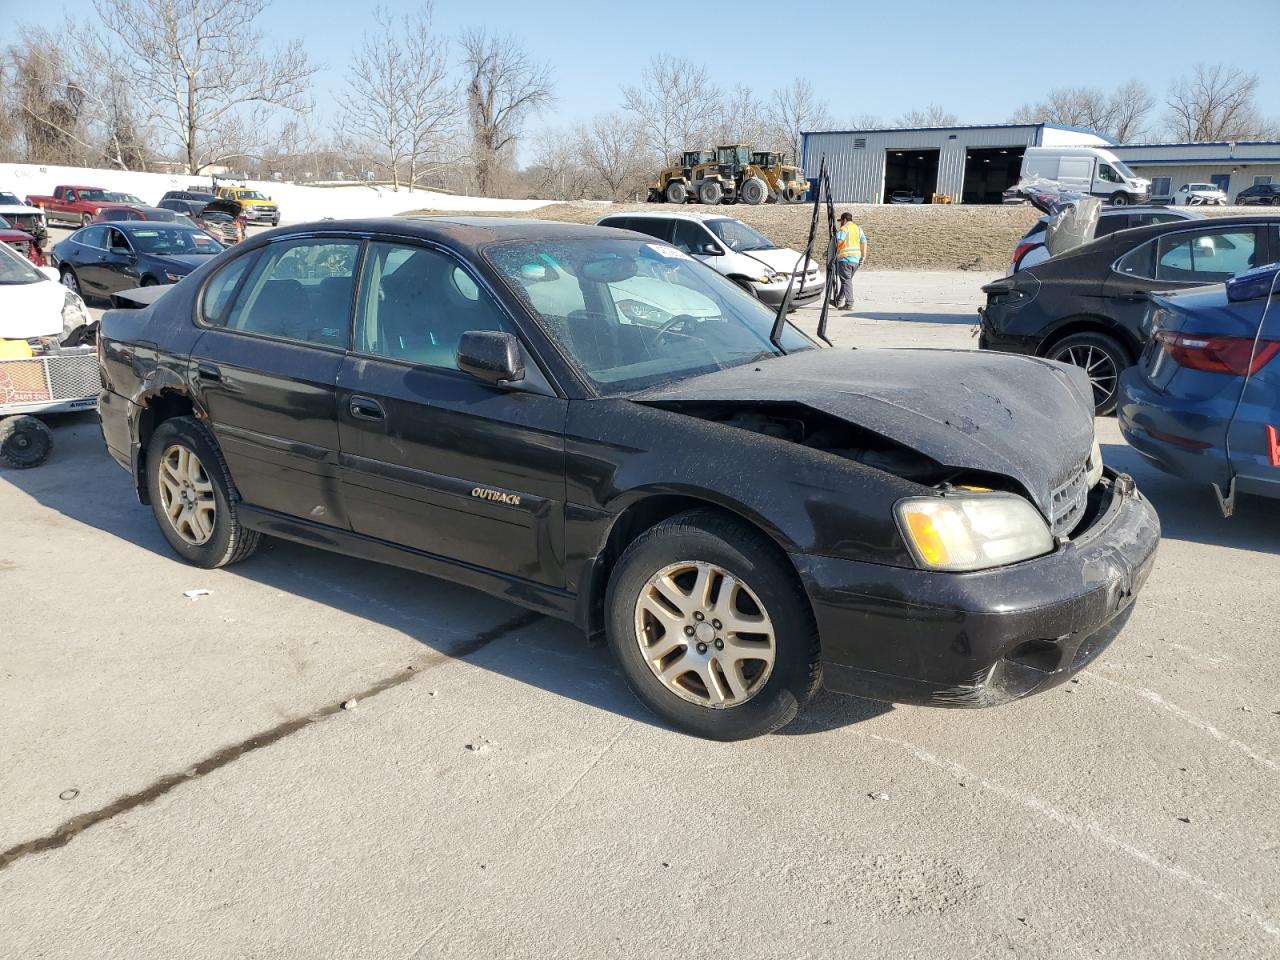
{"x": 74, "y": 314}
{"x": 1095, "y": 464}
{"x": 972, "y": 531}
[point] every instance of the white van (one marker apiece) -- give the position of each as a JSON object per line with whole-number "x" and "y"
{"x": 1091, "y": 170}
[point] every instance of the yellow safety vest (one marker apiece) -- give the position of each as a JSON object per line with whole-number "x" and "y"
{"x": 849, "y": 242}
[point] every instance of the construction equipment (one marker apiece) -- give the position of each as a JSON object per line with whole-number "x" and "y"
{"x": 786, "y": 181}
{"x": 680, "y": 183}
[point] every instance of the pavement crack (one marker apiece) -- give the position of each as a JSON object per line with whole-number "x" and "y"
{"x": 70, "y": 829}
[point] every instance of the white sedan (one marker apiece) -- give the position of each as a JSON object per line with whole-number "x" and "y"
{"x": 35, "y": 306}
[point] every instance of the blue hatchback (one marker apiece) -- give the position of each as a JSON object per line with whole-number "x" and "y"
{"x": 1203, "y": 403}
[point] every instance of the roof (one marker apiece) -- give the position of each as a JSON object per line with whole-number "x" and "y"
{"x": 670, "y": 215}
{"x": 458, "y": 230}
{"x": 967, "y": 126}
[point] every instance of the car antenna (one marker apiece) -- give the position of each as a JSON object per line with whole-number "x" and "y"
{"x": 775, "y": 335}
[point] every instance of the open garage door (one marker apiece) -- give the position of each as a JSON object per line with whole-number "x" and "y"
{"x": 989, "y": 172}
{"x": 910, "y": 176}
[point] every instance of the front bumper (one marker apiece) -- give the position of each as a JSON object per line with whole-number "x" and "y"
{"x": 985, "y": 638}
{"x": 259, "y": 215}
{"x": 772, "y": 293}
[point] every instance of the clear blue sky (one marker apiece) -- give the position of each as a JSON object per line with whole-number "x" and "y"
{"x": 975, "y": 59}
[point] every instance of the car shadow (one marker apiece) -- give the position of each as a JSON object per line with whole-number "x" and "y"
{"x": 81, "y": 482}
{"x": 911, "y": 316}
{"x": 1189, "y": 511}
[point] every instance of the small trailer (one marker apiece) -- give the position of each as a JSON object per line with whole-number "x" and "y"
{"x": 41, "y": 380}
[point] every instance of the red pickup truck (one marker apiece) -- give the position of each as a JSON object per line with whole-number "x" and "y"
{"x": 76, "y": 205}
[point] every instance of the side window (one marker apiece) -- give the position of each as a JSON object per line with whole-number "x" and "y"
{"x": 416, "y": 303}
{"x": 117, "y": 241}
{"x": 689, "y": 237}
{"x": 1108, "y": 173}
{"x": 93, "y": 237}
{"x": 620, "y": 223}
{"x": 1139, "y": 262}
{"x": 1205, "y": 257}
{"x": 1160, "y": 186}
{"x": 653, "y": 226}
{"x": 1115, "y": 221}
{"x": 215, "y": 307}
{"x": 300, "y": 290}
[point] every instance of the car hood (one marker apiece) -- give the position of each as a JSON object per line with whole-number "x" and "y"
{"x": 1021, "y": 417}
{"x": 222, "y": 205}
{"x": 31, "y": 309}
{"x": 187, "y": 261}
{"x": 779, "y": 259}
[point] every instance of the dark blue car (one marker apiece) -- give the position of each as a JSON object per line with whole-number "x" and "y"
{"x": 105, "y": 258}
{"x": 1204, "y": 401}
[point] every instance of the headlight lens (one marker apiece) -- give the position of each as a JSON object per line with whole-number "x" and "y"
{"x": 1095, "y": 464}
{"x": 972, "y": 531}
{"x": 74, "y": 314}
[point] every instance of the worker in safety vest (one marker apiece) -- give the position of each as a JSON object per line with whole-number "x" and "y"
{"x": 848, "y": 254}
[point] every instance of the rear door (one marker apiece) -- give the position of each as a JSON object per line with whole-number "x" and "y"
{"x": 1183, "y": 258}
{"x": 432, "y": 458}
{"x": 277, "y": 324}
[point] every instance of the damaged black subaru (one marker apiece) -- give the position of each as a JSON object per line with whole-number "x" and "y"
{"x": 591, "y": 424}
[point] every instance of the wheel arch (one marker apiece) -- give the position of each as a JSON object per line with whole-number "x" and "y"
{"x": 163, "y": 405}
{"x": 644, "y": 512}
{"x": 1090, "y": 323}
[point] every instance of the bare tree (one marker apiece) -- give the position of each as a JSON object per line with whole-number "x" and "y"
{"x": 1131, "y": 106}
{"x": 1215, "y": 102}
{"x": 1121, "y": 115}
{"x": 741, "y": 119}
{"x": 401, "y": 103}
{"x": 796, "y": 108}
{"x": 675, "y": 104}
{"x": 557, "y": 172}
{"x": 609, "y": 146}
{"x": 48, "y": 105}
{"x": 934, "y": 115}
{"x": 204, "y": 68}
{"x": 505, "y": 86}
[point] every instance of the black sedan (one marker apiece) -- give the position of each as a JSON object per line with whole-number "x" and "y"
{"x": 1261, "y": 194}
{"x": 592, "y": 424}
{"x": 1086, "y": 306}
{"x": 101, "y": 259}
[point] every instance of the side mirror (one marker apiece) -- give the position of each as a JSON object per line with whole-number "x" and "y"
{"x": 710, "y": 249}
{"x": 490, "y": 356}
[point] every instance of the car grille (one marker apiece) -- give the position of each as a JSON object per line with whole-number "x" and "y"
{"x": 21, "y": 246}
{"x": 1069, "y": 502}
{"x": 23, "y": 221}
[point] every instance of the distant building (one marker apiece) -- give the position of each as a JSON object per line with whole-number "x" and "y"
{"x": 966, "y": 164}
{"x": 977, "y": 164}
{"x": 1232, "y": 166}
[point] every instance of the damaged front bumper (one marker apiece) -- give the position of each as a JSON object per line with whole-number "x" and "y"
{"x": 984, "y": 638}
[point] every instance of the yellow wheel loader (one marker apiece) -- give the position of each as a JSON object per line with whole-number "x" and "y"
{"x": 786, "y": 181}
{"x": 680, "y": 184}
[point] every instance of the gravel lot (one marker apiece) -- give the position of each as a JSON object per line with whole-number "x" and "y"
{"x": 178, "y": 778}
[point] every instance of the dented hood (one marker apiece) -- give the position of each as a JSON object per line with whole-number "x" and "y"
{"x": 1027, "y": 419}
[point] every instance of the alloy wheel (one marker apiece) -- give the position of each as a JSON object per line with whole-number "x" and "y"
{"x": 1098, "y": 364}
{"x": 704, "y": 634}
{"x": 69, "y": 280}
{"x": 186, "y": 495}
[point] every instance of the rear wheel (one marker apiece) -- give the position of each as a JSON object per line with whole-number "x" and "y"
{"x": 25, "y": 442}
{"x": 191, "y": 496}
{"x": 754, "y": 191}
{"x": 711, "y": 628}
{"x": 1101, "y": 357}
{"x": 676, "y": 193}
{"x": 710, "y": 192}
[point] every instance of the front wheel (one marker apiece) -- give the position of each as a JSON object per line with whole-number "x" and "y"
{"x": 711, "y": 627}
{"x": 25, "y": 442}
{"x": 1119, "y": 199}
{"x": 70, "y": 280}
{"x": 190, "y": 492}
{"x": 1102, "y": 358}
{"x": 85, "y": 219}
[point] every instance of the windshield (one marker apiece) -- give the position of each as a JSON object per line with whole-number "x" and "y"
{"x": 736, "y": 235}
{"x": 1202, "y": 186}
{"x": 634, "y": 313}
{"x": 5, "y": 224}
{"x": 174, "y": 241}
{"x": 15, "y": 268}
{"x": 10, "y": 200}
{"x": 115, "y": 197}
{"x": 249, "y": 195}
{"x": 1124, "y": 170}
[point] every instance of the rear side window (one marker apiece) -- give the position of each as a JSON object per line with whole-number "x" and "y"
{"x": 1114, "y": 222}
{"x": 1205, "y": 257}
{"x": 653, "y": 226}
{"x": 216, "y": 305}
{"x": 93, "y": 237}
{"x": 690, "y": 237}
{"x": 299, "y": 290}
{"x": 1139, "y": 262}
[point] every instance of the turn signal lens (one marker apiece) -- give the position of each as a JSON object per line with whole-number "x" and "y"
{"x": 972, "y": 531}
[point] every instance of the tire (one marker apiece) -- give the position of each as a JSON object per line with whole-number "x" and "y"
{"x": 762, "y": 696}
{"x": 1104, "y": 359}
{"x": 71, "y": 281}
{"x": 791, "y": 194}
{"x": 676, "y": 193}
{"x": 85, "y": 219}
{"x": 747, "y": 288}
{"x": 25, "y": 442}
{"x": 207, "y": 541}
{"x": 148, "y": 282}
{"x": 1119, "y": 199}
{"x": 710, "y": 192}
{"x": 754, "y": 191}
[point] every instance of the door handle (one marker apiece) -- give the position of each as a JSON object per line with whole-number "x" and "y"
{"x": 209, "y": 372}
{"x": 366, "y": 408}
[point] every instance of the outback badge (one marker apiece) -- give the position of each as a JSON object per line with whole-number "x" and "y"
{"x": 483, "y": 493}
